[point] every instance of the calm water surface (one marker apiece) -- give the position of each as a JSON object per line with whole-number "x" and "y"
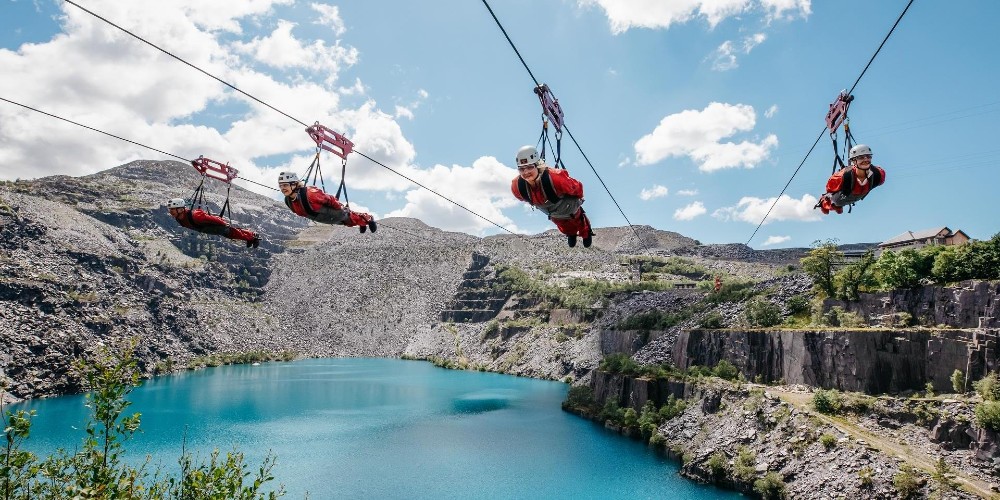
{"x": 378, "y": 428}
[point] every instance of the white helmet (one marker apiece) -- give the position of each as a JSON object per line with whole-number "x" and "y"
{"x": 287, "y": 177}
{"x": 176, "y": 203}
{"x": 527, "y": 155}
{"x": 859, "y": 150}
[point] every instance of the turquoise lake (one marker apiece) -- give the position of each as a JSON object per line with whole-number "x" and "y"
{"x": 381, "y": 428}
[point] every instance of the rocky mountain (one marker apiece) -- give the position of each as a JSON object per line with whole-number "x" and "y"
{"x": 88, "y": 260}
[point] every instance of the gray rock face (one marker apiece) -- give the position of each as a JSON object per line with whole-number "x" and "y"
{"x": 869, "y": 361}
{"x": 971, "y": 304}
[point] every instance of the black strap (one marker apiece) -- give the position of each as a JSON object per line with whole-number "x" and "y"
{"x": 548, "y": 188}
{"x": 304, "y": 199}
{"x": 522, "y": 187}
{"x": 343, "y": 185}
{"x": 198, "y": 197}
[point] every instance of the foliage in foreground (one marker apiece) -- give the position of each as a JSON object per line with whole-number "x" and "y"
{"x": 97, "y": 470}
{"x": 909, "y": 268}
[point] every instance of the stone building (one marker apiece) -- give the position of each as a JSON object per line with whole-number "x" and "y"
{"x": 926, "y": 237}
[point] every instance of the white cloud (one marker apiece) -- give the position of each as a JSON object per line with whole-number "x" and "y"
{"x": 154, "y": 100}
{"x": 725, "y": 58}
{"x": 725, "y": 54}
{"x": 696, "y": 134}
{"x": 773, "y": 110}
{"x": 404, "y": 112}
{"x": 662, "y": 14}
{"x": 282, "y": 50}
{"x": 483, "y": 188}
{"x": 329, "y": 16}
{"x": 752, "y": 210}
{"x": 687, "y": 192}
{"x": 786, "y": 9}
{"x": 657, "y": 191}
{"x": 690, "y": 211}
{"x": 774, "y": 240}
{"x": 357, "y": 89}
{"x": 626, "y": 14}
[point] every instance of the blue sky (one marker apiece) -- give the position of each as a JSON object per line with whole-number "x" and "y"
{"x": 695, "y": 113}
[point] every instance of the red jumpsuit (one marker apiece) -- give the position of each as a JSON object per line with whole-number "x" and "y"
{"x": 568, "y": 190}
{"x": 325, "y": 208}
{"x": 203, "y": 222}
{"x": 835, "y": 199}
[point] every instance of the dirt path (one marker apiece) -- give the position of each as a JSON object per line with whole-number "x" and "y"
{"x": 888, "y": 446}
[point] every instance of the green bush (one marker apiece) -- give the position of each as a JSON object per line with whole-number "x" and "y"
{"x": 988, "y": 415}
{"x": 797, "y": 304}
{"x": 717, "y": 464}
{"x": 827, "y": 401}
{"x": 828, "y": 441}
{"x": 648, "y": 419}
{"x": 988, "y": 387}
{"x": 653, "y": 320}
{"x": 671, "y": 408}
{"x": 580, "y": 396}
{"x": 712, "y": 320}
{"x": 619, "y": 363}
{"x": 761, "y": 313}
{"x": 867, "y": 477}
{"x": 906, "y": 481}
{"x": 771, "y": 486}
{"x": 726, "y": 370}
{"x": 958, "y": 381}
{"x": 96, "y": 470}
{"x": 745, "y": 467}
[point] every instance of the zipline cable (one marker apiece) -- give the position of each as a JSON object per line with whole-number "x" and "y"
{"x": 381, "y": 224}
{"x": 537, "y": 83}
{"x": 849, "y": 92}
{"x": 147, "y": 42}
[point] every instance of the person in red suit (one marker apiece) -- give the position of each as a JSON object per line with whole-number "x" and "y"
{"x": 319, "y": 206}
{"x": 204, "y": 222}
{"x": 554, "y": 192}
{"x": 852, "y": 183}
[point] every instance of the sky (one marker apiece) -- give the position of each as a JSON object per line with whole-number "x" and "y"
{"x": 694, "y": 113}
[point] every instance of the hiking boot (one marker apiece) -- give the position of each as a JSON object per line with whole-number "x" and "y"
{"x": 372, "y": 225}
{"x": 571, "y": 239}
{"x": 255, "y": 242}
{"x": 588, "y": 240}
{"x": 362, "y": 228}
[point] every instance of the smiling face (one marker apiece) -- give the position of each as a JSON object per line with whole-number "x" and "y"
{"x": 864, "y": 162}
{"x": 287, "y": 188}
{"x": 528, "y": 172}
{"x": 175, "y": 212}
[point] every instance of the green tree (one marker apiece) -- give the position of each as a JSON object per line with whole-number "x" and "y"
{"x": 958, "y": 381}
{"x": 97, "y": 471}
{"x": 771, "y": 486}
{"x": 820, "y": 263}
{"x": 906, "y": 481}
{"x": 827, "y": 401}
{"x": 988, "y": 387}
{"x": 762, "y": 313}
{"x": 988, "y": 415}
{"x": 648, "y": 419}
{"x": 15, "y": 464}
{"x": 726, "y": 370}
{"x": 950, "y": 264}
{"x": 903, "y": 270}
{"x": 855, "y": 278}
